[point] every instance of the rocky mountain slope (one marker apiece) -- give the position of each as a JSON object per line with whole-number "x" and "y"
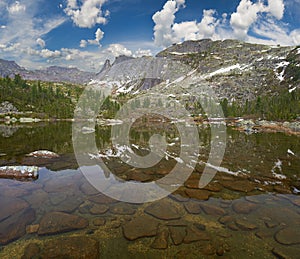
{"x": 235, "y": 70}
{"x": 50, "y": 74}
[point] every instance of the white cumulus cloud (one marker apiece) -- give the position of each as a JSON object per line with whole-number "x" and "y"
{"x": 16, "y": 8}
{"x": 245, "y": 15}
{"x": 41, "y": 42}
{"x": 276, "y": 8}
{"x": 118, "y": 50}
{"x": 98, "y": 37}
{"x": 88, "y": 14}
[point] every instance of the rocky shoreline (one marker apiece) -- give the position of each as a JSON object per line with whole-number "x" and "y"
{"x": 254, "y": 126}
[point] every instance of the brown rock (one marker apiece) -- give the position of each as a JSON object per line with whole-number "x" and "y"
{"x": 226, "y": 219}
{"x": 59, "y": 222}
{"x": 288, "y": 236}
{"x": 69, "y": 205}
{"x": 244, "y": 207}
{"x": 279, "y": 254}
{"x": 30, "y": 229}
{"x": 192, "y": 207}
{"x": 102, "y": 199}
{"x": 198, "y": 194}
{"x": 10, "y": 191}
{"x": 99, "y": 221}
{"x": 98, "y": 209}
{"x": 10, "y": 206}
{"x": 212, "y": 209}
{"x": 193, "y": 234}
{"x": 37, "y": 198}
{"x": 71, "y": 247}
{"x": 88, "y": 189}
{"x": 143, "y": 226}
{"x": 122, "y": 209}
{"x": 14, "y": 227}
{"x": 161, "y": 240}
{"x": 177, "y": 234}
{"x": 165, "y": 209}
{"x": 240, "y": 186}
{"x": 245, "y": 225}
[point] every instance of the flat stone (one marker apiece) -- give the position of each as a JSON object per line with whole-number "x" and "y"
{"x": 212, "y": 209}
{"x": 198, "y": 194}
{"x": 69, "y": 205}
{"x": 71, "y": 247}
{"x": 102, "y": 199}
{"x": 14, "y": 192}
{"x": 165, "y": 209}
{"x": 98, "y": 209}
{"x": 192, "y": 207}
{"x": 10, "y": 206}
{"x": 143, "y": 226}
{"x": 232, "y": 226}
{"x": 244, "y": 207}
{"x": 279, "y": 254}
{"x": 271, "y": 224}
{"x": 88, "y": 189}
{"x": 240, "y": 186}
{"x": 193, "y": 234}
{"x": 161, "y": 240}
{"x": 14, "y": 227}
{"x": 37, "y": 198}
{"x": 59, "y": 222}
{"x": 213, "y": 187}
{"x": 226, "y": 219}
{"x": 122, "y": 209}
{"x": 177, "y": 234}
{"x": 245, "y": 224}
{"x": 288, "y": 236}
{"x": 99, "y": 221}
{"x": 178, "y": 197}
{"x": 30, "y": 229}
{"x": 264, "y": 234}
{"x": 57, "y": 198}
{"x": 65, "y": 185}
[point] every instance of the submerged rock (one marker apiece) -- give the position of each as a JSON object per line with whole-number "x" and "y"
{"x": 14, "y": 227}
{"x": 19, "y": 172}
{"x": 143, "y": 226}
{"x": 165, "y": 210}
{"x": 288, "y": 236}
{"x": 59, "y": 222}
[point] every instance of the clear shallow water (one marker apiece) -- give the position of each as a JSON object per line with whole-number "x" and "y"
{"x": 253, "y": 213}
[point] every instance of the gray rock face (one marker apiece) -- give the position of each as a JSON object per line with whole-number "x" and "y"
{"x": 7, "y": 107}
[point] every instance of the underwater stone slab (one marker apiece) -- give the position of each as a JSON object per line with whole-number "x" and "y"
{"x": 143, "y": 226}
{"x": 10, "y": 206}
{"x": 244, "y": 207}
{"x": 14, "y": 227}
{"x": 165, "y": 210}
{"x": 59, "y": 222}
{"x": 288, "y": 236}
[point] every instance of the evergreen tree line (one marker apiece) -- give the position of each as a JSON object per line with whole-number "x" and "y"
{"x": 46, "y": 100}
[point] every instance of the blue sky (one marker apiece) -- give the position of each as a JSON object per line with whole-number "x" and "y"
{"x": 84, "y": 33}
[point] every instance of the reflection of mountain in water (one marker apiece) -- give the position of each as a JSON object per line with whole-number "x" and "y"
{"x": 8, "y": 131}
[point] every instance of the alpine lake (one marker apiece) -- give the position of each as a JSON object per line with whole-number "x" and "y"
{"x": 251, "y": 208}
